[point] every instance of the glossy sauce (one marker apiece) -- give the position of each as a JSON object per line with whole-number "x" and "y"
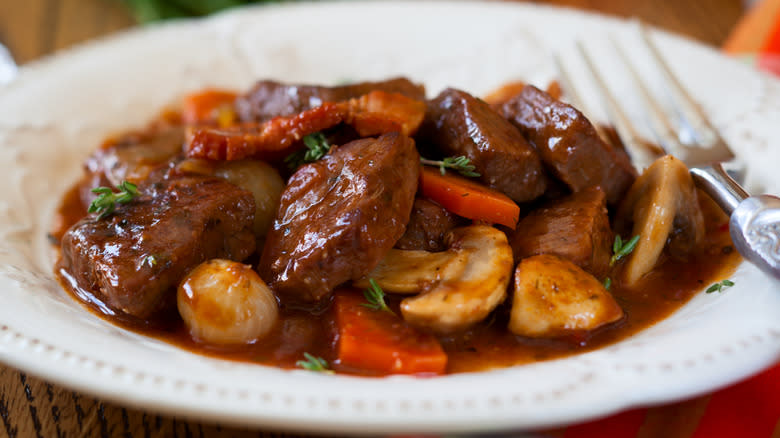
{"x": 489, "y": 345}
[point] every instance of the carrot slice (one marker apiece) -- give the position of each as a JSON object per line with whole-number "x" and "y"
{"x": 377, "y": 342}
{"x": 202, "y": 106}
{"x": 468, "y": 198}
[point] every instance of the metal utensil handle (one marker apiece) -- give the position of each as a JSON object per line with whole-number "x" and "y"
{"x": 754, "y": 221}
{"x": 755, "y": 231}
{"x": 714, "y": 180}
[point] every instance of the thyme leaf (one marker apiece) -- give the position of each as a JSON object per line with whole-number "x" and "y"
{"x": 316, "y": 147}
{"x": 375, "y": 297}
{"x": 314, "y": 363}
{"x": 622, "y": 249}
{"x": 607, "y": 283}
{"x": 105, "y": 203}
{"x": 718, "y": 287}
{"x": 460, "y": 164}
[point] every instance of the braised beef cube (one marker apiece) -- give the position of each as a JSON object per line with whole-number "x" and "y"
{"x": 428, "y": 224}
{"x": 268, "y": 99}
{"x": 460, "y": 124}
{"x": 569, "y": 145}
{"x": 134, "y": 259}
{"x": 132, "y": 156}
{"x": 339, "y": 216}
{"x": 575, "y": 228}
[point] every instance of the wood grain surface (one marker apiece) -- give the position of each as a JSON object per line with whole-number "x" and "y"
{"x": 31, "y": 407}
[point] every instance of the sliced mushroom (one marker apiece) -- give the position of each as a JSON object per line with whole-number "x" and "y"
{"x": 461, "y": 286}
{"x": 412, "y": 271}
{"x": 554, "y": 297}
{"x": 662, "y": 205}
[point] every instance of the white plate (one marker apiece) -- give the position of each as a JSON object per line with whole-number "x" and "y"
{"x": 59, "y": 109}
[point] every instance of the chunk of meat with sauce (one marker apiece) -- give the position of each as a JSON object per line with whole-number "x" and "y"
{"x": 428, "y": 224}
{"x": 554, "y": 297}
{"x": 132, "y": 156}
{"x": 575, "y": 228}
{"x": 258, "y": 177}
{"x": 339, "y": 216}
{"x": 269, "y": 99}
{"x": 460, "y": 124}
{"x": 133, "y": 259}
{"x": 569, "y": 145}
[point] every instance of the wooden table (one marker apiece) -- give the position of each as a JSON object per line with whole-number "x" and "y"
{"x": 34, "y": 28}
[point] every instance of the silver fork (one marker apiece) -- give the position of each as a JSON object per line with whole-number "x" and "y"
{"x": 754, "y": 221}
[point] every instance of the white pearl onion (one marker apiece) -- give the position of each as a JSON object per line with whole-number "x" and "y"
{"x": 226, "y": 302}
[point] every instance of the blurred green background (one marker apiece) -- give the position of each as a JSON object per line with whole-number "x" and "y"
{"x": 146, "y": 11}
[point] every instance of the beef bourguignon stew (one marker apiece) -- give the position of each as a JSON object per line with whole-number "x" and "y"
{"x": 363, "y": 229}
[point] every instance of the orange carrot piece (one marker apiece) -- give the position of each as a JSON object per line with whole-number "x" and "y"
{"x": 377, "y": 342}
{"x": 468, "y": 198}
{"x": 202, "y": 106}
{"x": 505, "y": 92}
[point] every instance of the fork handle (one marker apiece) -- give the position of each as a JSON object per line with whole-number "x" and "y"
{"x": 714, "y": 180}
{"x": 754, "y": 221}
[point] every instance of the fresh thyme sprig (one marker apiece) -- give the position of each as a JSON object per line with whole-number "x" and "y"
{"x": 105, "y": 203}
{"x": 375, "y": 297}
{"x": 459, "y": 164}
{"x": 314, "y": 363}
{"x": 622, "y": 249}
{"x": 718, "y": 287}
{"x": 316, "y": 147}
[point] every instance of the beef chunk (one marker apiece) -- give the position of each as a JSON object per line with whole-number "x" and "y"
{"x": 134, "y": 259}
{"x": 339, "y": 216}
{"x": 132, "y": 156}
{"x": 268, "y": 99}
{"x": 569, "y": 145}
{"x": 460, "y": 124}
{"x": 575, "y": 228}
{"x": 428, "y": 224}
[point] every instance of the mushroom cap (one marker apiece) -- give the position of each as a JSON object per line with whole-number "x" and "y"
{"x": 458, "y": 302}
{"x": 662, "y": 205}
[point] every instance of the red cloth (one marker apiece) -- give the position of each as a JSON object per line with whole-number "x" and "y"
{"x": 749, "y": 409}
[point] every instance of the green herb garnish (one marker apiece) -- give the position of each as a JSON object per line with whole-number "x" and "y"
{"x": 459, "y": 164}
{"x": 105, "y": 203}
{"x": 718, "y": 287}
{"x": 375, "y": 297}
{"x": 607, "y": 283}
{"x": 316, "y": 147}
{"x": 314, "y": 363}
{"x": 622, "y": 249}
{"x": 153, "y": 10}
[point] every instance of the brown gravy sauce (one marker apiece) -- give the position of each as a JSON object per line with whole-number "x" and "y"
{"x": 488, "y": 345}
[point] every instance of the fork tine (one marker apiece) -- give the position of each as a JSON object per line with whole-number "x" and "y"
{"x": 660, "y": 123}
{"x": 568, "y": 84}
{"x": 642, "y": 156}
{"x": 706, "y": 134}
{"x": 574, "y": 97}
